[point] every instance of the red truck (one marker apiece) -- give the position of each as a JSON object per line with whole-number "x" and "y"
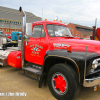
{"x": 48, "y": 50}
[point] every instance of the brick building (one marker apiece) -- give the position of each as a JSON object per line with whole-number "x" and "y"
{"x": 11, "y": 19}
{"x": 80, "y": 31}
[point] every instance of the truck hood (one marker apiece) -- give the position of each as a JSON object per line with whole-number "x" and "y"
{"x": 80, "y": 45}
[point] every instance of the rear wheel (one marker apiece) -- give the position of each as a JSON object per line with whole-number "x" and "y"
{"x": 62, "y": 82}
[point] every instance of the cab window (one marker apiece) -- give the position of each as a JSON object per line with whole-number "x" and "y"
{"x": 38, "y": 31}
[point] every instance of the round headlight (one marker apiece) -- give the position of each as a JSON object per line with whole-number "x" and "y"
{"x": 94, "y": 64}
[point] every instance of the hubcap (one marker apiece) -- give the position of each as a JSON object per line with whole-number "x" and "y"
{"x": 59, "y": 83}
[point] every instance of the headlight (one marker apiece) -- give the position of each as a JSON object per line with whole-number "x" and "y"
{"x": 95, "y": 64}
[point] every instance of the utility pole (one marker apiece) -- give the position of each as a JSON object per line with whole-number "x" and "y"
{"x": 42, "y": 14}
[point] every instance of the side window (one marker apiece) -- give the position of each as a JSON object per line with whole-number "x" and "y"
{"x": 38, "y": 31}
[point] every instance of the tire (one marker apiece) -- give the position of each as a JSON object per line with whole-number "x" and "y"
{"x": 62, "y": 82}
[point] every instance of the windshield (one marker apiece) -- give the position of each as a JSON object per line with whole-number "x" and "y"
{"x": 58, "y": 31}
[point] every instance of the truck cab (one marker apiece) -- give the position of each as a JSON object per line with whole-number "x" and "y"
{"x": 44, "y": 34}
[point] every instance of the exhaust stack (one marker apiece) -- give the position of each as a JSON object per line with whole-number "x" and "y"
{"x": 24, "y": 19}
{"x": 23, "y": 33}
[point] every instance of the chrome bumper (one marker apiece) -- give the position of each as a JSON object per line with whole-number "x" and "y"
{"x": 92, "y": 80}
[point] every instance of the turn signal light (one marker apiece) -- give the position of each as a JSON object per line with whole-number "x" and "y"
{"x": 46, "y": 19}
{"x": 69, "y": 49}
{"x": 95, "y": 88}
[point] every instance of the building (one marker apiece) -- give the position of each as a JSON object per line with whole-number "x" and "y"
{"x": 80, "y": 31}
{"x": 11, "y": 19}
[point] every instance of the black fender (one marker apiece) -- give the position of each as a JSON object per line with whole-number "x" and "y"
{"x": 76, "y": 59}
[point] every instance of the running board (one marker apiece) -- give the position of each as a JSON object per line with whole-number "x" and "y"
{"x": 32, "y": 70}
{"x": 29, "y": 76}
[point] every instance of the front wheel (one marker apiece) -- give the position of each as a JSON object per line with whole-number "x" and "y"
{"x": 62, "y": 82}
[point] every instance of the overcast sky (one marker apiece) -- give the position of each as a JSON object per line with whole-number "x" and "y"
{"x": 83, "y": 12}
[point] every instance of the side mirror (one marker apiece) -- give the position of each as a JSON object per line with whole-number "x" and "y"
{"x": 26, "y": 38}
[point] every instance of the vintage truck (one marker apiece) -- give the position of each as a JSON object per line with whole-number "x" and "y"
{"x": 48, "y": 50}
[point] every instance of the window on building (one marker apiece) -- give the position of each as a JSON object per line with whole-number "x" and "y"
{"x": 20, "y": 23}
{"x": 83, "y": 29}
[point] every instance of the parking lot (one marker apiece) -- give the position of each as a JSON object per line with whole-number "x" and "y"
{"x": 14, "y": 86}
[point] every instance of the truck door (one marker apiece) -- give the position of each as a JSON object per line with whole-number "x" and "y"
{"x": 34, "y": 48}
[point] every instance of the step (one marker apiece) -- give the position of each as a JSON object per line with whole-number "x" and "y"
{"x": 33, "y": 70}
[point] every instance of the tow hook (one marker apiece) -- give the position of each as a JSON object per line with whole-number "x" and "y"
{"x": 96, "y": 87}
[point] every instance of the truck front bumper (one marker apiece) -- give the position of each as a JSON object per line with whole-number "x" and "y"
{"x": 92, "y": 79}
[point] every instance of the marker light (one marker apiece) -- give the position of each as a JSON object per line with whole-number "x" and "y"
{"x": 46, "y": 19}
{"x": 69, "y": 49}
{"x": 95, "y": 88}
{"x": 60, "y": 21}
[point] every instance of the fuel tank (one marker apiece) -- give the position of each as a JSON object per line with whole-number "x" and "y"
{"x": 14, "y": 59}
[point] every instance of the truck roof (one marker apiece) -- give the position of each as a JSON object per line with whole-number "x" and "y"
{"x": 50, "y": 22}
